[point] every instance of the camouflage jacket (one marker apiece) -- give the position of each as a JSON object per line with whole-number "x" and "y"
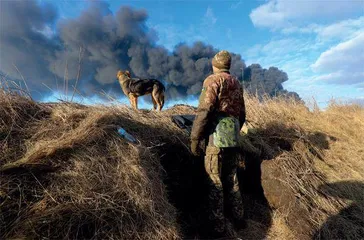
{"x": 221, "y": 97}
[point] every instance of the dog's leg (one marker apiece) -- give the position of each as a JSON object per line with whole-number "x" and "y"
{"x": 136, "y": 102}
{"x": 160, "y": 100}
{"x": 154, "y": 101}
{"x": 132, "y": 100}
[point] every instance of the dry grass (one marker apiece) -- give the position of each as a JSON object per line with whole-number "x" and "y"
{"x": 66, "y": 173}
{"x": 314, "y": 179}
{"x": 69, "y": 175}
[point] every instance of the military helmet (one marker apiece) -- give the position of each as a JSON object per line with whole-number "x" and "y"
{"x": 222, "y": 60}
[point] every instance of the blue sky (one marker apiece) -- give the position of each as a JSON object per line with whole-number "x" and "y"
{"x": 320, "y": 44}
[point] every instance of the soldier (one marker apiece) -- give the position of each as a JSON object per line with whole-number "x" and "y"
{"x": 220, "y": 116}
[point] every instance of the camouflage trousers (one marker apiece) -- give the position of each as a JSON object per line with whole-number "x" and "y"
{"x": 224, "y": 195}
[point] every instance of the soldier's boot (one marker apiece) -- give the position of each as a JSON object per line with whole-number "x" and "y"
{"x": 218, "y": 229}
{"x": 234, "y": 212}
{"x": 240, "y": 224}
{"x": 228, "y": 232}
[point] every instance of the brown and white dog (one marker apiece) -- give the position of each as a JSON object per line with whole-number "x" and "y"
{"x": 136, "y": 87}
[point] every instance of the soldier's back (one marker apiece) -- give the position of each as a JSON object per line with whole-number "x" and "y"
{"x": 230, "y": 95}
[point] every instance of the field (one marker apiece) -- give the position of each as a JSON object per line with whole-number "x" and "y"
{"x": 66, "y": 173}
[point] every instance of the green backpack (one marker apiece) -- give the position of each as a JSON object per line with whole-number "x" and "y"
{"x": 226, "y": 133}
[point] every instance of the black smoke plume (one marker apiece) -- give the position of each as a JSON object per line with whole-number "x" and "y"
{"x": 266, "y": 82}
{"x": 49, "y": 51}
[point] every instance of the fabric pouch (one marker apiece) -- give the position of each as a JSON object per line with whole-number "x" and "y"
{"x": 226, "y": 133}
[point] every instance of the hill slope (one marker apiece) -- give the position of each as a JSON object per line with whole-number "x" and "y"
{"x": 66, "y": 173}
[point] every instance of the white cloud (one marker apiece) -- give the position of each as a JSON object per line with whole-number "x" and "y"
{"x": 209, "y": 18}
{"x": 277, "y": 14}
{"x": 268, "y": 15}
{"x": 320, "y": 44}
{"x": 343, "y": 62}
{"x": 311, "y": 28}
{"x": 235, "y": 5}
{"x": 341, "y": 30}
{"x": 281, "y": 52}
{"x": 47, "y": 31}
{"x": 296, "y": 57}
{"x": 341, "y": 77}
{"x": 287, "y": 46}
{"x": 331, "y": 54}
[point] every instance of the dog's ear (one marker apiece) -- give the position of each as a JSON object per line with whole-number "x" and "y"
{"x": 119, "y": 73}
{"x": 127, "y": 73}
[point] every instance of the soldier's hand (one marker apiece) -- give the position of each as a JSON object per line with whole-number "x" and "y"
{"x": 195, "y": 148}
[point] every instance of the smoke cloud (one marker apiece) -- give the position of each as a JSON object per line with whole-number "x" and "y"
{"x": 22, "y": 43}
{"x": 47, "y": 51}
{"x": 266, "y": 82}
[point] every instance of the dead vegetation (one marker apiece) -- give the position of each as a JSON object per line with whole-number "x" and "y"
{"x": 66, "y": 173}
